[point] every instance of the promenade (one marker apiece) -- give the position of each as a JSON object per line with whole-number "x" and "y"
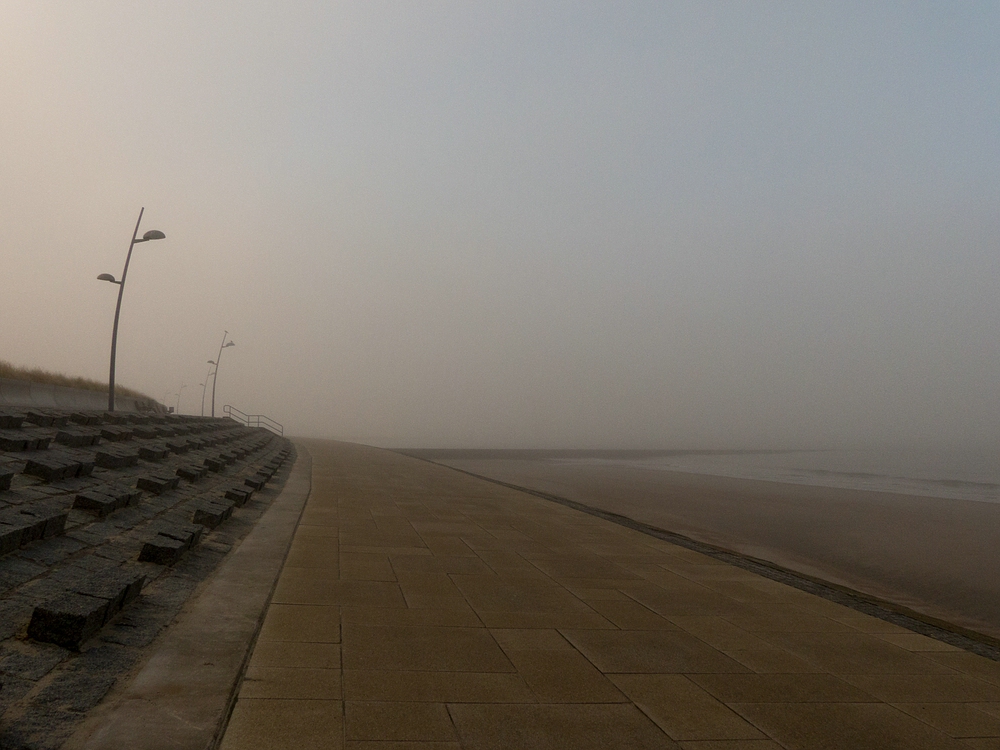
{"x": 425, "y": 609}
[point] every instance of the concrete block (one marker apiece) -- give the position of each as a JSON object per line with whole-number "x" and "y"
{"x": 53, "y": 467}
{"x": 157, "y": 483}
{"x": 96, "y": 502}
{"x": 116, "y": 458}
{"x": 74, "y": 437}
{"x": 116, "y": 434}
{"x": 191, "y": 472}
{"x": 68, "y": 620}
{"x": 177, "y": 446}
{"x": 10, "y": 537}
{"x": 11, "y": 421}
{"x": 13, "y": 440}
{"x": 211, "y": 514}
{"x": 255, "y": 482}
{"x": 154, "y": 452}
{"x": 162, "y": 550}
{"x": 238, "y": 495}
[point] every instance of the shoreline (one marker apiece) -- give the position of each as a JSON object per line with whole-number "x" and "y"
{"x": 932, "y": 557}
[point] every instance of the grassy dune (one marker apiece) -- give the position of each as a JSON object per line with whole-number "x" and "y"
{"x": 37, "y": 375}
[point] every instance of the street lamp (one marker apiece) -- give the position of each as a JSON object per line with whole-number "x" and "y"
{"x": 152, "y": 234}
{"x": 205, "y": 386}
{"x": 217, "y": 360}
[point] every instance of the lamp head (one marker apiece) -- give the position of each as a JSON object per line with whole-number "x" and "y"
{"x": 107, "y": 277}
{"x": 153, "y": 234}
{"x": 231, "y": 343}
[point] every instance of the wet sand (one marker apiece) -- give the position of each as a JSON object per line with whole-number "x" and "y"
{"x": 938, "y": 557}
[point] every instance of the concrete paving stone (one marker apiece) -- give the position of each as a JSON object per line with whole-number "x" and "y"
{"x": 730, "y": 745}
{"x": 564, "y": 676}
{"x": 555, "y": 727}
{"x": 325, "y": 555}
{"x": 282, "y": 724}
{"x": 495, "y": 594}
{"x": 459, "y": 565}
{"x": 955, "y": 719}
{"x": 407, "y": 721}
{"x": 630, "y": 615}
{"x": 925, "y": 688}
{"x": 515, "y": 639}
{"x": 683, "y": 710}
{"x": 854, "y": 654}
{"x": 406, "y": 617}
{"x": 447, "y": 546}
{"x": 436, "y": 687}
{"x": 430, "y": 601}
{"x": 780, "y": 688}
{"x": 835, "y": 726}
{"x": 719, "y": 632}
{"x": 289, "y": 683}
{"x": 686, "y": 602}
{"x": 575, "y": 620}
{"x": 771, "y": 660}
{"x": 971, "y": 664}
{"x": 310, "y": 586}
{"x": 422, "y": 648}
{"x": 301, "y": 623}
{"x": 917, "y": 642}
{"x": 377, "y": 745}
{"x": 982, "y": 743}
{"x": 317, "y": 517}
{"x": 269, "y": 653}
{"x": 580, "y": 566}
{"x": 650, "y": 651}
{"x": 778, "y": 618}
{"x": 363, "y": 567}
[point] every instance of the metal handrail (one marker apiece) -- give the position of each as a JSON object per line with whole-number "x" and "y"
{"x": 253, "y": 420}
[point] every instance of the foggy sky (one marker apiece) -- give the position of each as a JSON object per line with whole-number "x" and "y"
{"x": 524, "y": 224}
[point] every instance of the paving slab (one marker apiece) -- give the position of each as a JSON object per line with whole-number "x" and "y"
{"x": 421, "y": 607}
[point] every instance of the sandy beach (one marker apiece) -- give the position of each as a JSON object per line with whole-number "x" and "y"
{"x": 937, "y": 556}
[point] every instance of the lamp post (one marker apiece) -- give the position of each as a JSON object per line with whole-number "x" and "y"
{"x": 204, "y": 387}
{"x": 152, "y": 234}
{"x": 217, "y": 360}
{"x": 180, "y": 390}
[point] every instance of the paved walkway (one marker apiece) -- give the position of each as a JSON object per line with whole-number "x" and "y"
{"x": 425, "y": 609}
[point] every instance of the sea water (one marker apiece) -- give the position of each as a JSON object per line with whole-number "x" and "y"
{"x": 968, "y": 474}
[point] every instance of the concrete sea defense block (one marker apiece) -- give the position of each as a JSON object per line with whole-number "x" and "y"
{"x": 116, "y": 434}
{"x": 211, "y": 513}
{"x": 162, "y": 550}
{"x": 157, "y": 483}
{"x": 255, "y": 482}
{"x": 71, "y": 618}
{"x": 191, "y": 472}
{"x": 153, "y": 452}
{"x": 51, "y": 468}
{"x": 68, "y": 620}
{"x": 116, "y": 458}
{"x": 239, "y": 495}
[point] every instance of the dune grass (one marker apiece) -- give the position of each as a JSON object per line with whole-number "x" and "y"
{"x": 37, "y": 375}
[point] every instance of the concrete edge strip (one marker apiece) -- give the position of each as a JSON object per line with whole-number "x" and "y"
{"x": 917, "y": 622}
{"x": 183, "y": 696}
